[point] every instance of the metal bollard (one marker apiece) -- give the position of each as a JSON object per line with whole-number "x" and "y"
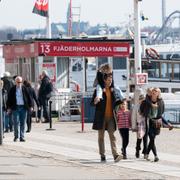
{"x": 82, "y": 114}
{"x": 50, "y": 117}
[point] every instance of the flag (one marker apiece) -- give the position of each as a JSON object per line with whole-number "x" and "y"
{"x": 41, "y": 8}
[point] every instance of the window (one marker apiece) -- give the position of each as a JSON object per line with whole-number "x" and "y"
{"x": 164, "y": 90}
{"x": 47, "y": 59}
{"x": 153, "y": 71}
{"x": 102, "y": 60}
{"x": 164, "y": 70}
{"x": 119, "y": 63}
{"x": 177, "y": 71}
{"x": 175, "y": 90}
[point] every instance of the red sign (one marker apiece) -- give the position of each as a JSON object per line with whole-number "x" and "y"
{"x": 89, "y": 49}
{"x": 141, "y": 78}
{"x": 11, "y": 52}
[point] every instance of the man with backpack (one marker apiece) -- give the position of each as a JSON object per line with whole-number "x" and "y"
{"x": 45, "y": 93}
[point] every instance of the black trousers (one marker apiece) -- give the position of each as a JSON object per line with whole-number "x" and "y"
{"x": 124, "y": 132}
{"x": 29, "y": 120}
{"x": 151, "y": 145}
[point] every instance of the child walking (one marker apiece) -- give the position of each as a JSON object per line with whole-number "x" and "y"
{"x": 139, "y": 125}
{"x": 124, "y": 123}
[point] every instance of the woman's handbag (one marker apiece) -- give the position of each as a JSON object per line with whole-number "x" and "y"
{"x": 157, "y": 124}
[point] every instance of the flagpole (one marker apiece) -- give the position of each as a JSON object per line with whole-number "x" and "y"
{"x": 48, "y": 23}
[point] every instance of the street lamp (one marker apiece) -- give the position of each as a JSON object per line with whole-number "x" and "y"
{"x": 137, "y": 48}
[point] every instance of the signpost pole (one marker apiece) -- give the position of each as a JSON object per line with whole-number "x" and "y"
{"x": 137, "y": 44}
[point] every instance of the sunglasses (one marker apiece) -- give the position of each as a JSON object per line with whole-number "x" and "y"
{"x": 106, "y": 75}
{"x": 19, "y": 82}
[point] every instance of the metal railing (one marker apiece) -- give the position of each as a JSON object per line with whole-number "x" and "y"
{"x": 68, "y": 105}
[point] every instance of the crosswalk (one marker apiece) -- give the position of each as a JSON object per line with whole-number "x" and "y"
{"x": 77, "y": 148}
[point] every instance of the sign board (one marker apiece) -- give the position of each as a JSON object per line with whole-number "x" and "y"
{"x": 51, "y": 70}
{"x": 11, "y": 52}
{"x": 83, "y": 48}
{"x": 141, "y": 78}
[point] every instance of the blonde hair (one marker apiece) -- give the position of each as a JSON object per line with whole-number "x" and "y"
{"x": 149, "y": 91}
{"x": 104, "y": 68}
{"x": 158, "y": 90}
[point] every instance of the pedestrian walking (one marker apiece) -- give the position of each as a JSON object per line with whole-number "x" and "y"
{"x": 104, "y": 119}
{"x": 44, "y": 94}
{"x": 33, "y": 97}
{"x": 8, "y": 83}
{"x": 124, "y": 123}
{"x": 155, "y": 112}
{"x": 139, "y": 126}
{"x": 18, "y": 103}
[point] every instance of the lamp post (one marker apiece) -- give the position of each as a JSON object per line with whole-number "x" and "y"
{"x": 137, "y": 48}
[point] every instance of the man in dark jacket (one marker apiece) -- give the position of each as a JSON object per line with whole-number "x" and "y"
{"x": 104, "y": 119}
{"x": 18, "y": 103}
{"x": 44, "y": 94}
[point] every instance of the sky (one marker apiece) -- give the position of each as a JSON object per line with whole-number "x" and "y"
{"x": 18, "y": 13}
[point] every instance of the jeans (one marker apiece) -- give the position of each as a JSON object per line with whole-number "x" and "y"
{"x": 19, "y": 116}
{"x": 8, "y": 121}
{"x": 45, "y": 109}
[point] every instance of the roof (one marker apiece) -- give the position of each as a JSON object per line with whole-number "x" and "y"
{"x": 91, "y": 39}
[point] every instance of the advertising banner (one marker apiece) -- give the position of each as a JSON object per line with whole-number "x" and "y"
{"x": 81, "y": 48}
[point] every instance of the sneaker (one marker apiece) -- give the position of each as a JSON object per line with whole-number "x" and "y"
{"x": 117, "y": 158}
{"x": 103, "y": 158}
{"x": 146, "y": 157}
{"x": 156, "y": 159}
{"x": 137, "y": 154}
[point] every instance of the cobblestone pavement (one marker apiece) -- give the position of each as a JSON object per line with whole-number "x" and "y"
{"x": 69, "y": 153}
